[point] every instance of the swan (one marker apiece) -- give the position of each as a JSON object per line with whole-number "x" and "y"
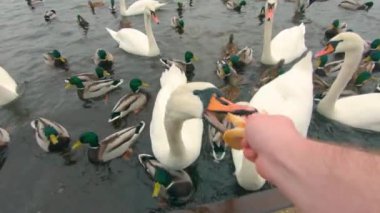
{"x": 289, "y": 44}
{"x": 138, "y": 7}
{"x": 176, "y": 127}
{"x": 280, "y": 97}
{"x": 359, "y": 111}
{"x": 136, "y": 42}
{"x": 8, "y": 88}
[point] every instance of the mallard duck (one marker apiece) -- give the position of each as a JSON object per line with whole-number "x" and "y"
{"x": 231, "y": 88}
{"x": 175, "y": 186}
{"x": 132, "y": 102}
{"x": 95, "y": 3}
{"x": 103, "y": 59}
{"x": 50, "y": 15}
{"x": 52, "y": 137}
{"x": 178, "y": 24}
{"x": 111, "y": 147}
{"x": 4, "y": 140}
{"x": 93, "y": 89}
{"x": 113, "y": 7}
{"x": 100, "y": 74}
{"x": 54, "y": 58}
{"x": 271, "y": 73}
{"x": 241, "y": 58}
{"x": 32, "y": 3}
{"x": 233, "y": 5}
{"x": 336, "y": 28}
{"x": 82, "y": 22}
{"x": 261, "y": 15}
{"x": 355, "y": 5}
{"x": 230, "y": 48}
{"x": 186, "y": 66}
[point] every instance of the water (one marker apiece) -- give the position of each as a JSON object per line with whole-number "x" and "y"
{"x": 33, "y": 181}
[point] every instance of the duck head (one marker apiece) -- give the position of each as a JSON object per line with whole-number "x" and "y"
{"x": 89, "y": 138}
{"x": 201, "y": 100}
{"x": 74, "y": 80}
{"x": 375, "y": 44}
{"x": 189, "y": 57}
{"x": 270, "y": 8}
{"x": 136, "y": 84}
{"x": 101, "y": 73}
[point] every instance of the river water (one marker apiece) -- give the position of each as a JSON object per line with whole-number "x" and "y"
{"x": 33, "y": 181}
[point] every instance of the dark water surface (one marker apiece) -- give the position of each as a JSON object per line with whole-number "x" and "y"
{"x": 33, "y": 181}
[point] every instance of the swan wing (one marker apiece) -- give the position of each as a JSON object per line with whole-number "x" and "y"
{"x": 289, "y": 44}
{"x": 8, "y": 87}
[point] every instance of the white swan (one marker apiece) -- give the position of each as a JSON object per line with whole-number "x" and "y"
{"x": 176, "y": 127}
{"x": 138, "y": 7}
{"x": 359, "y": 111}
{"x": 289, "y": 44}
{"x": 8, "y": 88}
{"x": 281, "y": 96}
{"x": 136, "y": 42}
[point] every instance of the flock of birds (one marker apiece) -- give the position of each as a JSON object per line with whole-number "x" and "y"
{"x": 176, "y": 127}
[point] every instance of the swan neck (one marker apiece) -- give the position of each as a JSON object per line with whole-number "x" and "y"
{"x": 123, "y": 5}
{"x": 267, "y": 55}
{"x": 173, "y": 128}
{"x": 349, "y": 67}
{"x": 149, "y": 33}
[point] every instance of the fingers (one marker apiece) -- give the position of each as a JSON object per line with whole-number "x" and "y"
{"x": 248, "y": 152}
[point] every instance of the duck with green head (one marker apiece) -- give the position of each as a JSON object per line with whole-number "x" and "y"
{"x": 336, "y": 28}
{"x": 174, "y": 186}
{"x": 232, "y": 81}
{"x": 100, "y": 74}
{"x": 52, "y": 137}
{"x": 82, "y": 22}
{"x": 104, "y": 60}
{"x": 356, "y": 5}
{"x": 233, "y": 5}
{"x": 186, "y": 66}
{"x": 111, "y": 147}
{"x": 241, "y": 58}
{"x": 131, "y": 102}
{"x": 178, "y": 24}
{"x": 54, "y": 58}
{"x": 93, "y": 89}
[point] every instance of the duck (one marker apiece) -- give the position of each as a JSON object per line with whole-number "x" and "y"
{"x": 138, "y": 7}
{"x": 355, "y": 5}
{"x": 136, "y": 42}
{"x": 271, "y": 73}
{"x": 113, "y": 7}
{"x": 8, "y": 88}
{"x": 185, "y": 66}
{"x": 32, "y": 3}
{"x": 52, "y": 137}
{"x": 103, "y": 59}
{"x": 4, "y": 141}
{"x": 50, "y": 15}
{"x": 276, "y": 49}
{"x": 301, "y": 5}
{"x": 132, "y": 102}
{"x": 175, "y": 186}
{"x": 230, "y": 48}
{"x": 261, "y": 15}
{"x": 111, "y": 147}
{"x": 100, "y": 74}
{"x": 358, "y": 111}
{"x": 91, "y": 90}
{"x": 187, "y": 104}
{"x": 82, "y": 22}
{"x": 54, "y": 58}
{"x": 231, "y": 87}
{"x": 241, "y": 58}
{"x": 336, "y": 28}
{"x": 233, "y": 5}
{"x": 278, "y": 97}
{"x": 178, "y": 24}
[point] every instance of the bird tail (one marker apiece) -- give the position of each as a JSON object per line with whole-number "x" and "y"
{"x": 113, "y": 34}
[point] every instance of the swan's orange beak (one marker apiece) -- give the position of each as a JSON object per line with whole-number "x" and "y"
{"x": 220, "y": 104}
{"x": 327, "y": 50}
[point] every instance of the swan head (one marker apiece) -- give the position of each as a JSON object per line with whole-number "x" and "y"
{"x": 202, "y": 100}
{"x": 270, "y": 8}
{"x": 343, "y": 42}
{"x": 150, "y": 11}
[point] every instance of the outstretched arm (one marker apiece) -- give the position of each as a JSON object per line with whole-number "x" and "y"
{"x": 315, "y": 176}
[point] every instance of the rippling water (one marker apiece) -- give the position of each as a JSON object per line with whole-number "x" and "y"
{"x": 32, "y": 181}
